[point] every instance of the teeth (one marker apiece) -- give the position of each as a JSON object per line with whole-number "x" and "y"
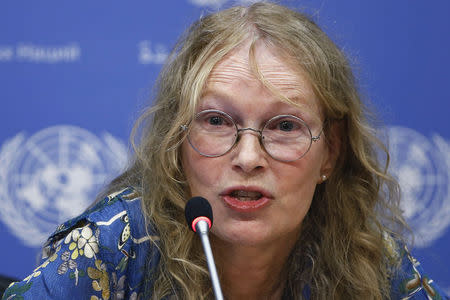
{"x": 246, "y": 195}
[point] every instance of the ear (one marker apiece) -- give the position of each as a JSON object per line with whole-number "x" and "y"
{"x": 333, "y": 142}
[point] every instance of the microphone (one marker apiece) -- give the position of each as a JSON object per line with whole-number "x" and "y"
{"x": 199, "y": 217}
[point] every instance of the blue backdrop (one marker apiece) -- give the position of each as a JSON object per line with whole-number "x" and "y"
{"x": 73, "y": 76}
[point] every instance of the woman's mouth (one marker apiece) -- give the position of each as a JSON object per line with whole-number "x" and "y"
{"x": 245, "y": 195}
{"x": 246, "y": 199}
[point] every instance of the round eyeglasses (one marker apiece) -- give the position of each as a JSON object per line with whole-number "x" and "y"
{"x": 213, "y": 133}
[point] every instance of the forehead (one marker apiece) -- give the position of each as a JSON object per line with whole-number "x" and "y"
{"x": 268, "y": 70}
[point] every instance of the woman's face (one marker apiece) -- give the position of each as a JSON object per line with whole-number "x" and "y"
{"x": 256, "y": 199}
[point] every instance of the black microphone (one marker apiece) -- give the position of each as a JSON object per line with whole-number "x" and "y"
{"x": 198, "y": 209}
{"x": 199, "y": 217}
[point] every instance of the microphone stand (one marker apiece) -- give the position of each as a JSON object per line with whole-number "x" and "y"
{"x": 202, "y": 229}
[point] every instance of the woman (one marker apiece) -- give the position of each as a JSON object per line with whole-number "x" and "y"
{"x": 257, "y": 111}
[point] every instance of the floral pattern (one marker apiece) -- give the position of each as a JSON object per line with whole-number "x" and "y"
{"x": 37, "y": 272}
{"x": 83, "y": 242}
{"x": 93, "y": 256}
{"x": 417, "y": 282}
{"x": 118, "y": 287}
{"x": 101, "y": 279}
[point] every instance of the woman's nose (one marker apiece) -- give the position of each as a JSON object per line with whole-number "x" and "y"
{"x": 249, "y": 154}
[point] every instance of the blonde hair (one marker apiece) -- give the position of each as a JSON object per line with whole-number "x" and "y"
{"x": 340, "y": 252}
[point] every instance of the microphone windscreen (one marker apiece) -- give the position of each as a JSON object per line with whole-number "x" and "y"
{"x": 197, "y": 207}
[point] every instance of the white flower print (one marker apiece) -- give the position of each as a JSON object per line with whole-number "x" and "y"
{"x": 66, "y": 264}
{"x": 88, "y": 242}
{"x": 82, "y": 243}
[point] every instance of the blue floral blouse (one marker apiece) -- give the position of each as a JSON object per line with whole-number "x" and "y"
{"x": 105, "y": 253}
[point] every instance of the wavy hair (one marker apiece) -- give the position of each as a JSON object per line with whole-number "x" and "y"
{"x": 340, "y": 253}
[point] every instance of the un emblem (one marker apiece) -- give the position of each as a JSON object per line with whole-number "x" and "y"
{"x": 421, "y": 165}
{"x": 52, "y": 176}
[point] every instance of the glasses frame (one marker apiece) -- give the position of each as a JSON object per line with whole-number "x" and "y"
{"x": 316, "y": 138}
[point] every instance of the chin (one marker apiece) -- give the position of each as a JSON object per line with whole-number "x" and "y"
{"x": 246, "y": 234}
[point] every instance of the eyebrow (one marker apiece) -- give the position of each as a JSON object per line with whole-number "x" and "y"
{"x": 216, "y": 99}
{"x": 296, "y": 98}
{"x": 215, "y": 95}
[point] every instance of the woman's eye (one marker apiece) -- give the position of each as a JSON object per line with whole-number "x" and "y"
{"x": 216, "y": 120}
{"x": 286, "y": 126}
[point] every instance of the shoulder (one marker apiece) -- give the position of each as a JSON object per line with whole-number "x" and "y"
{"x": 113, "y": 222}
{"x": 408, "y": 278}
{"x": 106, "y": 251}
{"x": 119, "y": 233}
{"x": 116, "y": 206}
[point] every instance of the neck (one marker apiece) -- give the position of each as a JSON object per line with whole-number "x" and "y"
{"x": 249, "y": 272}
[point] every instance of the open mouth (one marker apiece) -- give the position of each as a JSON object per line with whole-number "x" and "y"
{"x": 246, "y": 195}
{"x": 246, "y": 199}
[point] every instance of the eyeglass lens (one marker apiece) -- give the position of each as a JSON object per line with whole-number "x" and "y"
{"x": 213, "y": 133}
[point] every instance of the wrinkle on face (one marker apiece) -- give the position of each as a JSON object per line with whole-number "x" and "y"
{"x": 272, "y": 74}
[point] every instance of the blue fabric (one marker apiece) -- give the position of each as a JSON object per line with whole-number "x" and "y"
{"x": 410, "y": 281}
{"x": 106, "y": 252}
{"x": 101, "y": 254}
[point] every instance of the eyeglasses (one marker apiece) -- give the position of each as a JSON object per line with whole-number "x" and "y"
{"x": 213, "y": 133}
